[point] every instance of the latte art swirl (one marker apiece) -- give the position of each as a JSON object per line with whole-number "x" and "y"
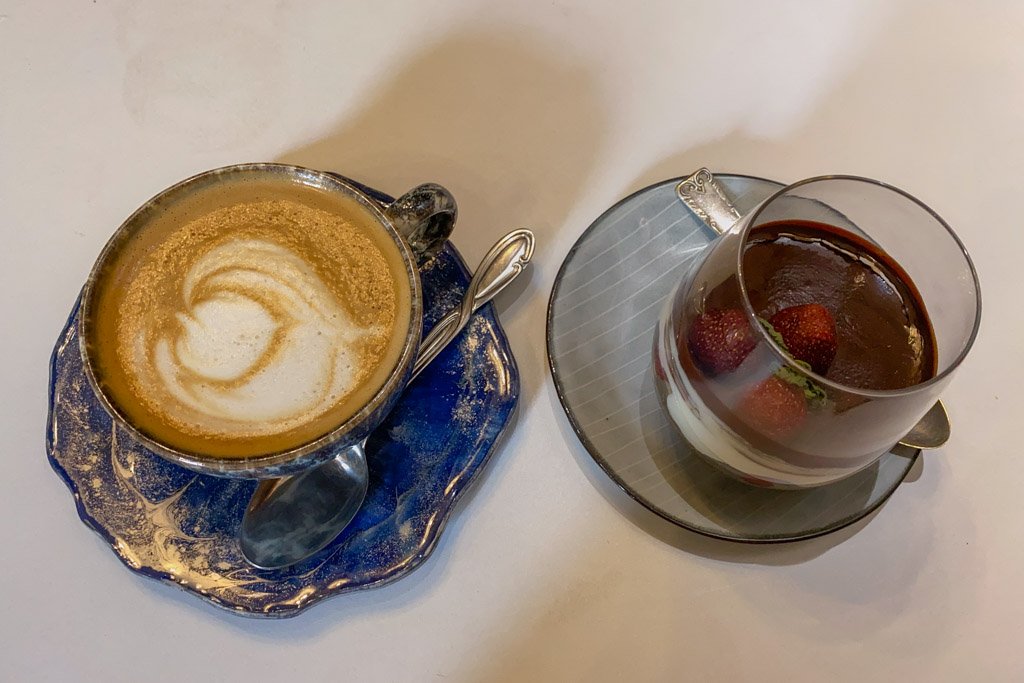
{"x": 251, "y": 318}
{"x": 257, "y": 345}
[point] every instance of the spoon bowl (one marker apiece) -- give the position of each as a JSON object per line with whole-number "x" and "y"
{"x": 291, "y": 518}
{"x": 293, "y": 514}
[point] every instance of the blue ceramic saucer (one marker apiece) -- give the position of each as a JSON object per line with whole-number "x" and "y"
{"x": 177, "y": 526}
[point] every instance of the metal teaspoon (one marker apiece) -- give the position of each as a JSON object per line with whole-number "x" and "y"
{"x": 290, "y": 518}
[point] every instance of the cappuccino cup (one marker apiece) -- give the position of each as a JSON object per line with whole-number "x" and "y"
{"x": 252, "y": 320}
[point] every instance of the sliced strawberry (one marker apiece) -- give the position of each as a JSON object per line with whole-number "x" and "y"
{"x": 774, "y": 408}
{"x": 720, "y": 339}
{"x": 809, "y": 332}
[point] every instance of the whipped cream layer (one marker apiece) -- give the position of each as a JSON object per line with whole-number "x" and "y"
{"x": 715, "y": 442}
{"x": 711, "y": 440}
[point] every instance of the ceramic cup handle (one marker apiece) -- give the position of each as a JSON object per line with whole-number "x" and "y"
{"x": 425, "y": 217}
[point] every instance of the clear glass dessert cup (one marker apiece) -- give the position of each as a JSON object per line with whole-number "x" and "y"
{"x": 745, "y": 417}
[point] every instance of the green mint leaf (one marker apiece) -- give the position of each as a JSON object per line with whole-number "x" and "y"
{"x": 814, "y": 394}
{"x": 773, "y": 333}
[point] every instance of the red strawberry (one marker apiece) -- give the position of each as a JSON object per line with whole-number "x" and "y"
{"x": 809, "y": 332}
{"x": 720, "y": 339}
{"x": 774, "y": 407}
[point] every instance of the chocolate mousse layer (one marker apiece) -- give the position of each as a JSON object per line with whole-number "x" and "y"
{"x": 885, "y": 340}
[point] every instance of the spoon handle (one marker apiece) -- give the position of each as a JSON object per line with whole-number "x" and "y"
{"x": 705, "y": 197}
{"x": 498, "y": 268}
{"x": 290, "y": 518}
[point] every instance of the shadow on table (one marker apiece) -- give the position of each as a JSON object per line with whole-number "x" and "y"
{"x": 890, "y": 587}
{"x": 807, "y": 143}
{"x": 690, "y": 541}
{"x": 512, "y": 127}
{"x": 503, "y": 120}
{"x": 597, "y": 609}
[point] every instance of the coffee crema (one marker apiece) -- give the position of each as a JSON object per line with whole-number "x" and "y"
{"x": 250, "y": 317}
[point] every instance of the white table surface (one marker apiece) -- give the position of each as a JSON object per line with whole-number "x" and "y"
{"x": 537, "y": 114}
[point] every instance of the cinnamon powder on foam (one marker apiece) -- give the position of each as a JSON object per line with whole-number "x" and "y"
{"x": 344, "y": 258}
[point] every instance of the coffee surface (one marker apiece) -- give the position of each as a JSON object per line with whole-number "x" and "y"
{"x": 251, "y": 318}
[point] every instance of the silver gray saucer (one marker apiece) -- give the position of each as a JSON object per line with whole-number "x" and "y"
{"x": 601, "y": 317}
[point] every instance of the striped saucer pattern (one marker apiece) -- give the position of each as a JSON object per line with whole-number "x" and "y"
{"x": 601, "y": 317}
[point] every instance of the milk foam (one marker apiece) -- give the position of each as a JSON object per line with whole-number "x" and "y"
{"x": 257, "y": 345}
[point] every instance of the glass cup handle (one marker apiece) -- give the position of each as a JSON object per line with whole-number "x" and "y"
{"x": 425, "y": 217}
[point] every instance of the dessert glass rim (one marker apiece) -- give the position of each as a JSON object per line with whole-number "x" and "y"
{"x": 786, "y": 359}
